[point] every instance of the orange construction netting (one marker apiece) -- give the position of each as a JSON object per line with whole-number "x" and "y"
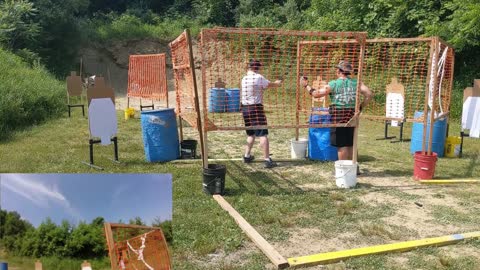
{"x": 184, "y": 81}
{"x": 147, "y": 77}
{"x": 400, "y": 71}
{"x": 138, "y": 248}
{"x": 283, "y": 55}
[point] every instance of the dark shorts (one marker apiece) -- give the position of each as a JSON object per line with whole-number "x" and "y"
{"x": 254, "y": 115}
{"x": 341, "y": 136}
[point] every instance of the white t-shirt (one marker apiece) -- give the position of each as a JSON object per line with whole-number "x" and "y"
{"x": 253, "y": 85}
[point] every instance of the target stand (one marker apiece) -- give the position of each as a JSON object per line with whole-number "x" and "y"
{"x": 102, "y": 119}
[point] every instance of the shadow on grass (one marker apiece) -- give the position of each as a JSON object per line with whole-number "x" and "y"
{"x": 265, "y": 183}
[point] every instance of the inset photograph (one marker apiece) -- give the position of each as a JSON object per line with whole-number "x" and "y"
{"x": 85, "y": 221}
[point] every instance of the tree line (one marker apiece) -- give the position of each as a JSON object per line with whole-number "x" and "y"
{"x": 52, "y": 31}
{"x": 85, "y": 240}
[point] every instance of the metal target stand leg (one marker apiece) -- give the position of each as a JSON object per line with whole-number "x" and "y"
{"x": 91, "y": 142}
{"x": 386, "y": 137}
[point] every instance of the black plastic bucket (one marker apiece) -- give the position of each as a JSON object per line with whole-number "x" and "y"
{"x": 188, "y": 148}
{"x": 214, "y": 179}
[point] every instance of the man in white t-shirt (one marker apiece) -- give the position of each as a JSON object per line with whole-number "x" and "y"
{"x": 253, "y": 85}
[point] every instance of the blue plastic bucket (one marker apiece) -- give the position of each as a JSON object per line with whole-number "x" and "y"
{"x": 233, "y": 99}
{"x": 319, "y": 147}
{"x": 160, "y": 137}
{"x": 218, "y": 100}
{"x": 438, "y": 139}
{"x": 3, "y": 266}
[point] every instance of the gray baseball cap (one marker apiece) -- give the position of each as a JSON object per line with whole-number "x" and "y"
{"x": 345, "y": 66}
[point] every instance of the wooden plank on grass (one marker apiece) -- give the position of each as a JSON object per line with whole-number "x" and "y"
{"x": 261, "y": 243}
{"x": 332, "y": 257}
{"x": 451, "y": 181}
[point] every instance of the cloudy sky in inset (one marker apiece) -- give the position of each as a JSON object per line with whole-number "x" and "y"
{"x": 83, "y": 197}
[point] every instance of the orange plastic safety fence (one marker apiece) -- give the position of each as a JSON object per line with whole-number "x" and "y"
{"x": 140, "y": 249}
{"x": 226, "y": 53}
{"x": 184, "y": 85}
{"x": 401, "y": 67}
{"x": 147, "y": 77}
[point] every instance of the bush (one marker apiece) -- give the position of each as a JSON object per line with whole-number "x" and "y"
{"x": 129, "y": 26}
{"x": 28, "y": 95}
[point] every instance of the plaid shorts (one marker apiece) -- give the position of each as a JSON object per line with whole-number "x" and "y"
{"x": 254, "y": 115}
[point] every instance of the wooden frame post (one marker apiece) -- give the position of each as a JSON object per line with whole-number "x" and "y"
{"x": 361, "y": 40}
{"x": 434, "y": 94}
{"x": 427, "y": 90}
{"x": 204, "y": 129}
{"x": 111, "y": 245}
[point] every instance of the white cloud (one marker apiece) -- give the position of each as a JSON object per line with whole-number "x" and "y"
{"x": 37, "y": 192}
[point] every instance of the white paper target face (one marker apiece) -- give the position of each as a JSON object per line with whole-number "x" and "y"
{"x": 102, "y": 119}
{"x": 395, "y": 106}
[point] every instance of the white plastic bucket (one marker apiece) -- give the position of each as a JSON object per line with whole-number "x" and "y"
{"x": 298, "y": 148}
{"x": 345, "y": 173}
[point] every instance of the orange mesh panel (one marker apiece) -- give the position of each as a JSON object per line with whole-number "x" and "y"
{"x": 139, "y": 248}
{"x": 407, "y": 60}
{"x": 226, "y": 53}
{"x": 147, "y": 77}
{"x": 318, "y": 61}
{"x": 185, "y": 94}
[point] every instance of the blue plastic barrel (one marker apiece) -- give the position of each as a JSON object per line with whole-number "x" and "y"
{"x": 233, "y": 99}
{"x": 218, "y": 100}
{"x": 438, "y": 139}
{"x": 160, "y": 137}
{"x": 319, "y": 147}
{"x": 3, "y": 266}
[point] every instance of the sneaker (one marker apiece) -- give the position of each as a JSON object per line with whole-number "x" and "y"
{"x": 270, "y": 164}
{"x": 248, "y": 159}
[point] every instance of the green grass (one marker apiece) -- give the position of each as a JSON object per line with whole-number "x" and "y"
{"x": 28, "y": 95}
{"x": 52, "y": 263}
{"x": 297, "y": 196}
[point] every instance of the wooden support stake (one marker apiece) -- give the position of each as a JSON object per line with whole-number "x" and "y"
{"x": 450, "y": 181}
{"x": 261, "y": 243}
{"x": 332, "y": 257}
{"x": 203, "y": 129}
{"x": 427, "y": 90}
{"x": 297, "y": 95}
{"x": 434, "y": 95}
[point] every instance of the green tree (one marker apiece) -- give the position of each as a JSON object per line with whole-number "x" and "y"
{"x": 60, "y": 32}
{"x": 87, "y": 240}
{"x": 166, "y": 228}
{"x": 17, "y": 25}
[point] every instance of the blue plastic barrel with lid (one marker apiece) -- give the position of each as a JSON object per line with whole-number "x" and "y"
{"x": 438, "y": 136}
{"x": 160, "y": 137}
{"x": 218, "y": 100}
{"x": 233, "y": 99}
{"x": 319, "y": 147}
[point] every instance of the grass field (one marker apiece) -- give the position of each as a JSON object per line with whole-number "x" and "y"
{"x": 296, "y": 207}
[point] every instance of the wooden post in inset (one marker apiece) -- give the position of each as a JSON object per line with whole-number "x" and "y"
{"x": 111, "y": 245}
{"x": 38, "y": 265}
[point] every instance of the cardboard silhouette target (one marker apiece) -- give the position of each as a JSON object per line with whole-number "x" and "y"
{"x": 394, "y": 109}
{"x": 75, "y": 90}
{"x": 102, "y": 117}
{"x": 470, "y": 113}
{"x": 319, "y": 83}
